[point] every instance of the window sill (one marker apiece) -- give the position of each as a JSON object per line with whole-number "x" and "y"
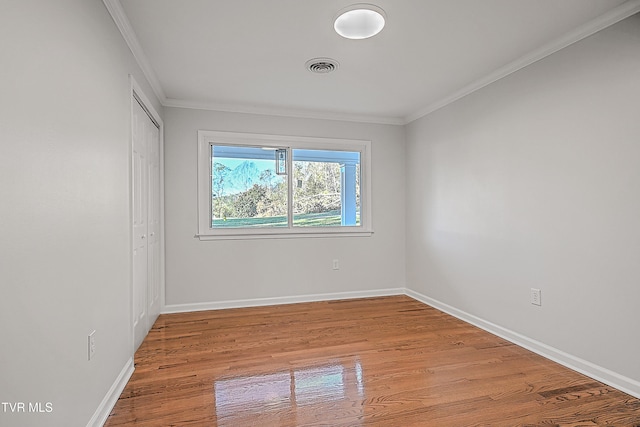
{"x": 289, "y": 234}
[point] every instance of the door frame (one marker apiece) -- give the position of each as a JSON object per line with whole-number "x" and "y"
{"x": 137, "y": 95}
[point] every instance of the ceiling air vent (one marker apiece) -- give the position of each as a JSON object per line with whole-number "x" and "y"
{"x": 322, "y": 65}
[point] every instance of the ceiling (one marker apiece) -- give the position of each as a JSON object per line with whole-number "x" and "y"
{"x": 249, "y": 55}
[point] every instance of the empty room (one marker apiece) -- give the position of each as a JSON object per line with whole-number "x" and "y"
{"x": 319, "y": 213}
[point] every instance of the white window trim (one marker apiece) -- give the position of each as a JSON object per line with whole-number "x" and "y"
{"x": 208, "y": 138}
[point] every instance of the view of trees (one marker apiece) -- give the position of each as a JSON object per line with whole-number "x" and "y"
{"x": 267, "y": 197}
{"x": 317, "y": 188}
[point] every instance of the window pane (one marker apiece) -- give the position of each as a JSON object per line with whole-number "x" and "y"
{"x": 326, "y": 188}
{"x": 245, "y": 190}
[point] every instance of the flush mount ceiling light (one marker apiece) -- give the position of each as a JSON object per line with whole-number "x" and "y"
{"x": 359, "y": 21}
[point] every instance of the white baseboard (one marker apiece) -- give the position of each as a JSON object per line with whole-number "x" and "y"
{"x": 110, "y": 399}
{"x": 259, "y": 302}
{"x": 604, "y": 375}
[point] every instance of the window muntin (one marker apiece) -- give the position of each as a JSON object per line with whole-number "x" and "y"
{"x": 243, "y": 193}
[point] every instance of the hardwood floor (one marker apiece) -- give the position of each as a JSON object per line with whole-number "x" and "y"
{"x": 389, "y": 361}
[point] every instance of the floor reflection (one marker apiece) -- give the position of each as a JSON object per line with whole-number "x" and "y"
{"x": 290, "y": 391}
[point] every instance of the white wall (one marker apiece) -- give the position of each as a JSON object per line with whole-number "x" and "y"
{"x": 209, "y": 272}
{"x": 64, "y": 207}
{"x": 534, "y": 181}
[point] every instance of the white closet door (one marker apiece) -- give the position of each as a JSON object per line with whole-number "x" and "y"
{"x": 146, "y": 223}
{"x": 153, "y": 220}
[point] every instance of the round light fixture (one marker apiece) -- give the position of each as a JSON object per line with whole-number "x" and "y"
{"x": 359, "y": 21}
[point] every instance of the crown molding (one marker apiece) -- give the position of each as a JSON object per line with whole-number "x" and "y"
{"x": 282, "y": 112}
{"x": 122, "y": 22}
{"x": 609, "y": 18}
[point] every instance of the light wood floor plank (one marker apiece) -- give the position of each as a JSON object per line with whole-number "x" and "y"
{"x": 389, "y": 361}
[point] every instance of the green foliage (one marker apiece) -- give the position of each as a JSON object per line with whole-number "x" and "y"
{"x": 246, "y": 205}
{"x": 317, "y": 187}
{"x": 274, "y": 202}
{"x": 220, "y": 177}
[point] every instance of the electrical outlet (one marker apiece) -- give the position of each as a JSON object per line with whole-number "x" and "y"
{"x": 536, "y": 295}
{"x": 92, "y": 344}
{"x": 336, "y": 264}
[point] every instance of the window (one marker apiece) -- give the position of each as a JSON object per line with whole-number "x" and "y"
{"x": 252, "y": 185}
